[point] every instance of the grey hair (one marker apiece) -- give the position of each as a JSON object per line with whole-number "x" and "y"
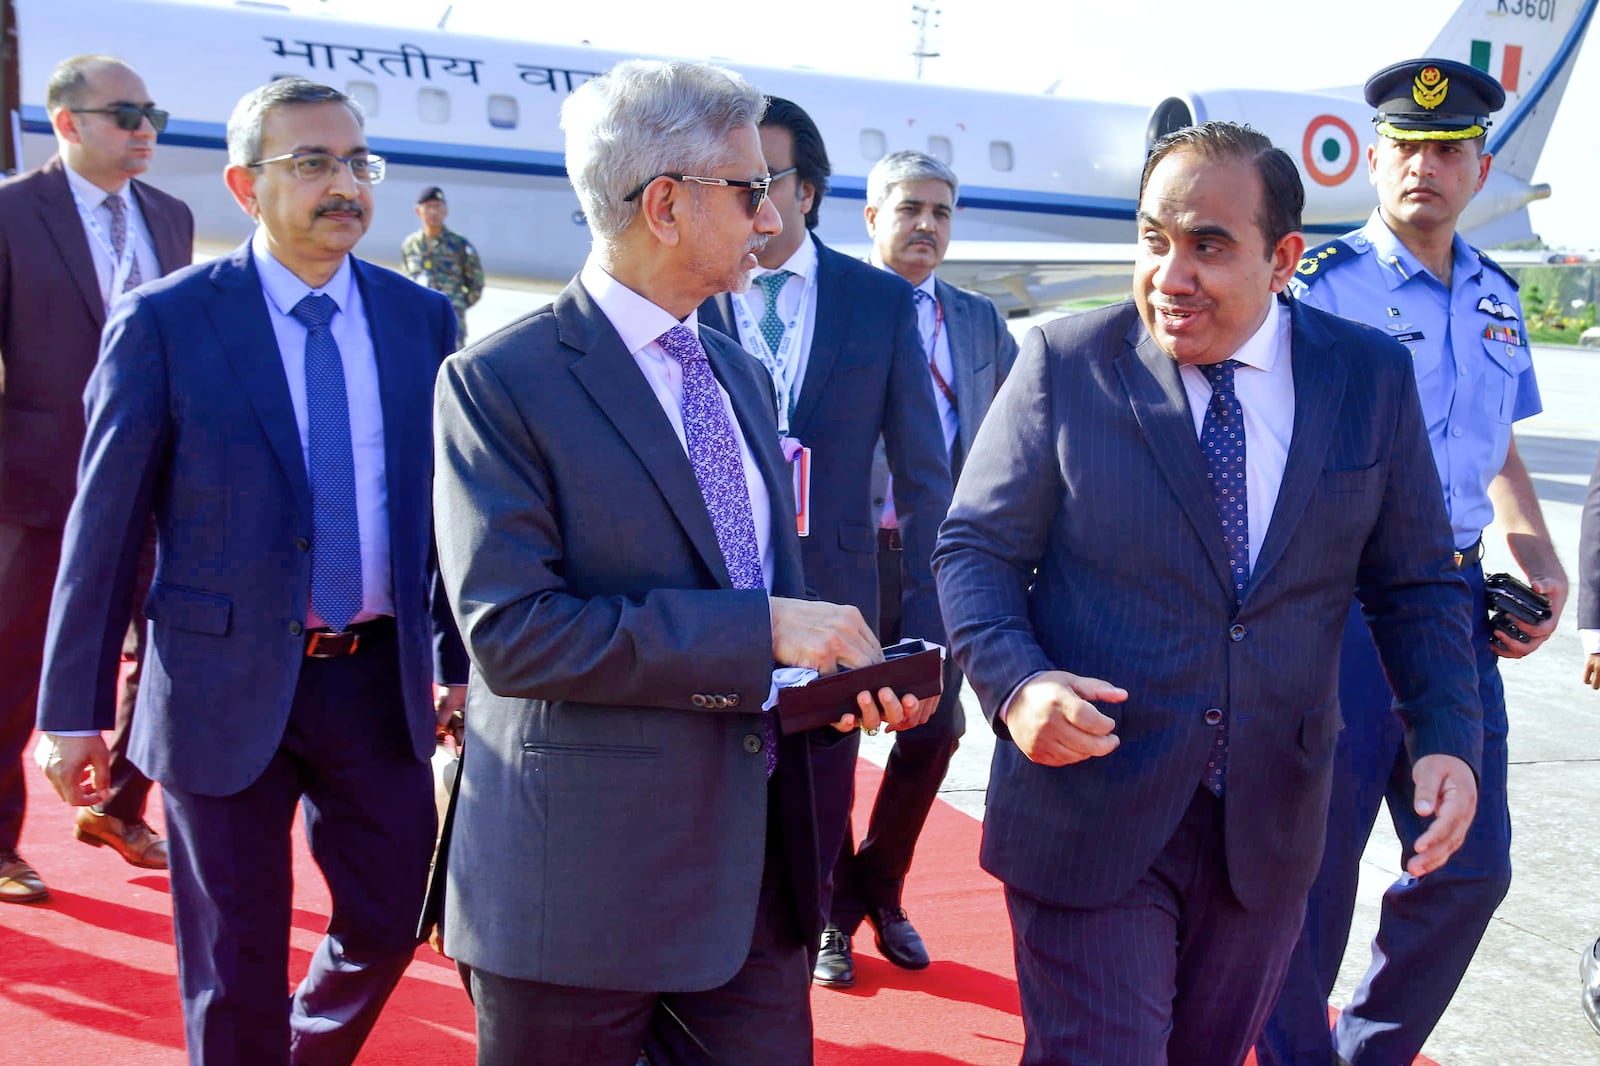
{"x": 70, "y": 78}
{"x": 250, "y": 113}
{"x": 907, "y": 165}
{"x": 646, "y": 117}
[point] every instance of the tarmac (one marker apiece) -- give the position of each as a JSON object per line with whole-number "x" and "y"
{"x": 1519, "y": 1002}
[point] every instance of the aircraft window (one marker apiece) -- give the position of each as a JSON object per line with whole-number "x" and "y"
{"x": 503, "y": 112}
{"x": 939, "y": 148}
{"x": 874, "y": 145}
{"x": 1000, "y": 155}
{"x": 433, "y": 106}
{"x": 364, "y": 93}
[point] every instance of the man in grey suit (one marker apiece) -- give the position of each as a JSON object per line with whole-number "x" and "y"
{"x": 1160, "y": 525}
{"x": 911, "y": 199}
{"x": 634, "y": 856}
{"x": 64, "y": 259}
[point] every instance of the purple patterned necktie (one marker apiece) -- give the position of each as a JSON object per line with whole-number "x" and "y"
{"x": 718, "y": 467}
{"x": 1222, "y": 441}
{"x": 119, "y": 241}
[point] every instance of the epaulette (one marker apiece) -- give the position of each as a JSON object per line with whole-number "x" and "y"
{"x": 1497, "y": 268}
{"x": 1318, "y": 261}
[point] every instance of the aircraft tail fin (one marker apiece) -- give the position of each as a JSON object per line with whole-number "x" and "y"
{"x": 1530, "y": 46}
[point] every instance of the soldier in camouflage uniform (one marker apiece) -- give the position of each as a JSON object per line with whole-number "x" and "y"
{"x": 443, "y": 260}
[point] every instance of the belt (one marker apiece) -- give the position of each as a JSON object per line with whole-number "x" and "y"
{"x": 326, "y": 644}
{"x": 889, "y": 539}
{"x": 1470, "y": 556}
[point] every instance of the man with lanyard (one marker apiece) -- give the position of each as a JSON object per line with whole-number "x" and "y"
{"x": 75, "y": 235}
{"x": 1408, "y": 272}
{"x": 442, "y": 259}
{"x": 840, "y": 340}
{"x": 911, "y": 200}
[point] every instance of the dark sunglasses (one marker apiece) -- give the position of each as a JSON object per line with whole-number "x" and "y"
{"x": 129, "y": 116}
{"x": 758, "y": 189}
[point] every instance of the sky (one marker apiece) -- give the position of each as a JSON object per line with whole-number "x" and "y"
{"x": 1139, "y": 51}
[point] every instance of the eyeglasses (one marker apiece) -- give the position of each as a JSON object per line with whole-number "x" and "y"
{"x": 321, "y": 166}
{"x": 128, "y": 116}
{"x": 758, "y": 189}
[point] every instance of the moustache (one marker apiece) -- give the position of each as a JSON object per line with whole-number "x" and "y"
{"x": 923, "y": 238}
{"x": 351, "y": 207}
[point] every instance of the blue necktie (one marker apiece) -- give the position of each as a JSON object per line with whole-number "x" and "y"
{"x": 335, "y": 532}
{"x": 1222, "y": 441}
{"x": 719, "y": 469}
{"x": 771, "y": 325}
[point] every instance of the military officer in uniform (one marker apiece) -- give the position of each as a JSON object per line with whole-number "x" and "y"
{"x": 442, "y": 259}
{"x": 1409, "y": 273}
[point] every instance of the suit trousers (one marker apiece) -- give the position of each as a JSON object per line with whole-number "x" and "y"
{"x": 28, "y": 560}
{"x": 873, "y": 877}
{"x": 346, "y": 757}
{"x": 1428, "y": 929}
{"x": 762, "y": 1015}
{"x": 1175, "y": 972}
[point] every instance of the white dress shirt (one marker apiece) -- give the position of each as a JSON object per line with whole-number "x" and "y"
{"x": 1264, "y": 384}
{"x": 283, "y": 291}
{"x": 144, "y": 250}
{"x": 803, "y": 265}
{"x": 639, "y": 322}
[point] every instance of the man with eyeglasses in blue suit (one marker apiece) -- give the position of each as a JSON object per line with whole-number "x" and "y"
{"x": 272, "y": 410}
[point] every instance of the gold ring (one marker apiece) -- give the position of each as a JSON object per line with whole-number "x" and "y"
{"x": 872, "y": 732}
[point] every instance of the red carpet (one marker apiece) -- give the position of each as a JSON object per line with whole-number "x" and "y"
{"x": 90, "y": 976}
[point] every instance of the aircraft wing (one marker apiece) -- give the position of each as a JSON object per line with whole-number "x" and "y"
{"x": 1023, "y": 276}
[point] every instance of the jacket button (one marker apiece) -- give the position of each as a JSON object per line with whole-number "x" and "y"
{"x": 752, "y": 743}
{"x": 1213, "y": 716}
{"x": 699, "y": 700}
{"x": 1236, "y": 632}
{"x": 733, "y": 700}
{"x": 302, "y": 544}
{"x": 296, "y": 628}
{"x": 719, "y": 702}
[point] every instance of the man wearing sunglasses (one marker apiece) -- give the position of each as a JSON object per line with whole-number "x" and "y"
{"x": 74, "y": 236}
{"x": 272, "y": 409}
{"x": 841, "y": 342}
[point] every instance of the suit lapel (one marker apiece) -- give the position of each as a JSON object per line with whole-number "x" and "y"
{"x": 964, "y": 355}
{"x": 606, "y": 370}
{"x": 1155, "y": 392}
{"x": 59, "y": 212}
{"x": 1319, "y": 380}
{"x": 240, "y": 320}
{"x": 170, "y": 253}
{"x": 757, "y": 420}
{"x": 827, "y": 338}
{"x": 388, "y": 325}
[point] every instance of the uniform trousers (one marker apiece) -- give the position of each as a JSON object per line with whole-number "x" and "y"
{"x": 1429, "y": 928}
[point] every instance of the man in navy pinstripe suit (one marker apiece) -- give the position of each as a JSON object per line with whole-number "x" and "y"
{"x": 1173, "y": 498}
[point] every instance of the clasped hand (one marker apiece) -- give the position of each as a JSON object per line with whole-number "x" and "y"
{"x": 827, "y": 637}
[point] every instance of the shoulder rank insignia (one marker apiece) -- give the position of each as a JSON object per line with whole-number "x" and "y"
{"x": 1498, "y": 269}
{"x": 1491, "y": 305}
{"x": 1318, "y": 261}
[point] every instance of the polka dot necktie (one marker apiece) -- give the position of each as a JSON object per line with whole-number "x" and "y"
{"x": 119, "y": 241}
{"x": 335, "y": 533}
{"x": 1222, "y": 441}
{"x": 771, "y": 325}
{"x": 719, "y": 469}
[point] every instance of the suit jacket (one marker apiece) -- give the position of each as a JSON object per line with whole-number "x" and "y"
{"x": 51, "y": 314}
{"x": 866, "y": 377}
{"x": 189, "y": 419}
{"x": 613, "y": 814}
{"x": 981, "y": 353}
{"x": 1084, "y": 538}
{"x": 1589, "y": 556}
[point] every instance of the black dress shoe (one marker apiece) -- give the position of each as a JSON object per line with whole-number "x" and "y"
{"x": 898, "y": 939}
{"x": 1589, "y": 970}
{"x": 836, "y": 964}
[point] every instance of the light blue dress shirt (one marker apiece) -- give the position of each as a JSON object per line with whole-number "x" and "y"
{"x": 1468, "y": 344}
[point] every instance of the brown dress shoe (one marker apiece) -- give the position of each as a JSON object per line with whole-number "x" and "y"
{"x": 136, "y": 842}
{"x": 18, "y": 881}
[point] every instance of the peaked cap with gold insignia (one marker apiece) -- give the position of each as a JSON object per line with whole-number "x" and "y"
{"x": 1433, "y": 100}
